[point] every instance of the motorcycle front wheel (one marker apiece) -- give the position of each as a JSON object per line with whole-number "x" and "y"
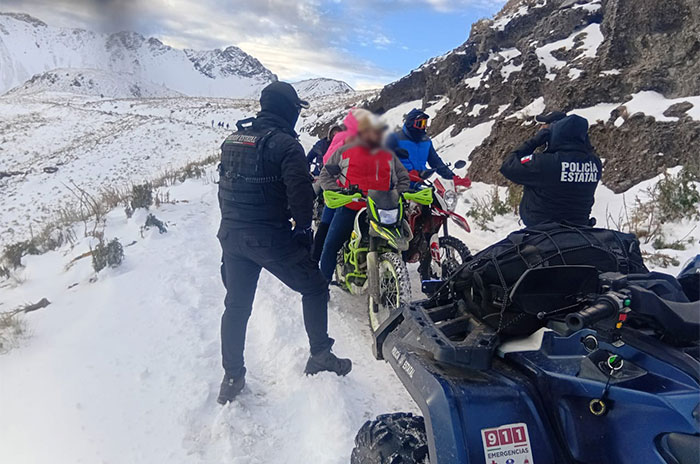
{"x": 453, "y": 253}
{"x": 394, "y": 289}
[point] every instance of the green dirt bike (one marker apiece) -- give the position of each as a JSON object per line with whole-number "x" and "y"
{"x": 370, "y": 262}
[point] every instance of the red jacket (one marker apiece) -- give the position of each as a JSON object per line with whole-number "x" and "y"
{"x": 369, "y": 169}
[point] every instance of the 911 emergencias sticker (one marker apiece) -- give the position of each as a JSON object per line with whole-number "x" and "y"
{"x": 507, "y": 444}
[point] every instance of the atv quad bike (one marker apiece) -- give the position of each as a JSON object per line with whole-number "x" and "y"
{"x": 612, "y": 376}
{"x": 370, "y": 262}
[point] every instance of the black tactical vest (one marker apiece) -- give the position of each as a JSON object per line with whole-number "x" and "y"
{"x": 242, "y": 172}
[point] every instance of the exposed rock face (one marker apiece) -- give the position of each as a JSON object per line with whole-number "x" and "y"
{"x": 587, "y": 55}
{"x": 231, "y": 61}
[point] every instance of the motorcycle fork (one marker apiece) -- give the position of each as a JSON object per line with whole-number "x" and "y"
{"x": 372, "y": 268}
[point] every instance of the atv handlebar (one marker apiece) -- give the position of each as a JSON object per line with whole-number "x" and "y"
{"x": 603, "y": 308}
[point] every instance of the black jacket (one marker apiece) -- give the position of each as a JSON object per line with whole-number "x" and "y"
{"x": 559, "y": 183}
{"x": 291, "y": 197}
{"x": 315, "y": 156}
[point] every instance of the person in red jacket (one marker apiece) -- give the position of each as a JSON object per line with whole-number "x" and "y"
{"x": 365, "y": 164}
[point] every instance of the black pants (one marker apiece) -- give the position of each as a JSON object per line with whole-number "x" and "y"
{"x": 245, "y": 253}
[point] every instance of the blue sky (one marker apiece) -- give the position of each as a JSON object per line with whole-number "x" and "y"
{"x": 367, "y": 43}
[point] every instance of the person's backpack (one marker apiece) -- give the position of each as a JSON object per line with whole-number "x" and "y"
{"x": 491, "y": 275}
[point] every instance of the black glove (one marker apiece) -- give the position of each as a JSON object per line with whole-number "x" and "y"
{"x": 304, "y": 236}
{"x": 542, "y": 137}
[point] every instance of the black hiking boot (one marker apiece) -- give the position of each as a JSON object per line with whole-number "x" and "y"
{"x": 230, "y": 388}
{"x": 327, "y": 361}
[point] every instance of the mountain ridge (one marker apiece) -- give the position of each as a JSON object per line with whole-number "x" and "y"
{"x": 597, "y": 57}
{"x": 28, "y": 46}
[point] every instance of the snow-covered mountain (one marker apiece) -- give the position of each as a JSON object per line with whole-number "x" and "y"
{"x": 93, "y": 82}
{"x": 311, "y": 89}
{"x": 29, "y": 47}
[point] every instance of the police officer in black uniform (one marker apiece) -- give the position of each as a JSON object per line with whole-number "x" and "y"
{"x": 560, "y": 182}
{"x": 265, "y": 183}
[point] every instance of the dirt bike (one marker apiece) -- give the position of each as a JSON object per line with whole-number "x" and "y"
{"x": 439, "y": 255}
{"x": 370, "y": 262}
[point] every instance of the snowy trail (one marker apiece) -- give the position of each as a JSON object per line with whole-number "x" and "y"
{"x": 126, "y": 369}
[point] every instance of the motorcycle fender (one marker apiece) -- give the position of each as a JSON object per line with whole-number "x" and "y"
{"x": 460, "y": 221}
{"x": 373, "y": 273}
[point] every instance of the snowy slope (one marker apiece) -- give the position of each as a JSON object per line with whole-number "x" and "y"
{"x": 96, "y": 144}
{"x": 312, "y": 89}
{"x": 29, "y": 46}
{"x": 93, "y": 82}
{"x": 126, "y": 369}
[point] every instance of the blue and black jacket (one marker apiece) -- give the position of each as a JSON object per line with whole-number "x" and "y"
{"x": 418, "y": 146}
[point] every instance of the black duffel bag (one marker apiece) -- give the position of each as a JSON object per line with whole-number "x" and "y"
{"x": 490, "y": 276}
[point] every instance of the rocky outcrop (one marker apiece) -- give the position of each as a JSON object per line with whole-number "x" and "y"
{"x": 594, "y": 56}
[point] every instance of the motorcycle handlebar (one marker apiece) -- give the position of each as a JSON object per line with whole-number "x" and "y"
{"x": 601, "y": 309}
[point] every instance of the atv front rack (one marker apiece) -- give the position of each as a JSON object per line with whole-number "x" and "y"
{"x": 447, "y": 332}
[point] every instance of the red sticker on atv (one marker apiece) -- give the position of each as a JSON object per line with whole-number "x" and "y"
{"x": 507, "y": 444}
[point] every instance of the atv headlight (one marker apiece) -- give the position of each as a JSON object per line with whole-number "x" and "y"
{"x": 388, "y": 216}
{"x": 451, "y": 199}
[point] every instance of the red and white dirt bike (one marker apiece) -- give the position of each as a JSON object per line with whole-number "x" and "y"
{"x": 438, "y": 253}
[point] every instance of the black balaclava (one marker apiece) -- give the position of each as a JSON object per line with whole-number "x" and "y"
{"x": 281, "y": 99}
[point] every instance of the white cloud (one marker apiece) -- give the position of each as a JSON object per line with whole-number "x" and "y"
{"x": 294, "y": 39}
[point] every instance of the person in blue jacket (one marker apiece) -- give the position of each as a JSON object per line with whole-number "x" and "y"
{"x": 413, "y": 146}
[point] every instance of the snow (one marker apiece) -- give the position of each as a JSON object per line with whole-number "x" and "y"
{"x": 590, "y": 7}
{"x": 533, "y": 109}
{"x": 312, "y": 89}
{"x": 509, "y": 53}
{"x": 93, "y": 82}
{"x": 610, "y": 72}
{"x": 654, "y": 104}
{"x": 575, "y": 73}
{"x": 599, "y": 112}
{"x": 452, "y": 149}
{"x": 394, "y": 117}
{"x": 29, "y": 47}
{"x": 434, "y": 107}
{"x": 126, "y": 369}
{"x": 97, "y": 143}
{"x": 477, "y": 109}
{"x": 475, "y": 81}
{"x": 125, "y": 366}
{"x": 593, "y": 38}
{"x": 501, "y": 23}
{"x": 509, "y": 69}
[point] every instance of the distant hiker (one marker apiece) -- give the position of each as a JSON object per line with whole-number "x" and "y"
{"x": 226, "y": 125}
{"x": 365, "y": 164}
{"x": 315, "y": 156}
{"x": 345, "y": 136}
{"x": 560, "y": 182}
{"x": 413, "y": 141}
{"x": 212, "y": 123}
{"x": 265, "y": 182}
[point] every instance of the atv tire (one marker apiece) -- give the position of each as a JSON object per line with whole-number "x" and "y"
{"x": 397, "y": 438}
{"x": 392, "y": 268}
{"x": 456, "y": 246}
